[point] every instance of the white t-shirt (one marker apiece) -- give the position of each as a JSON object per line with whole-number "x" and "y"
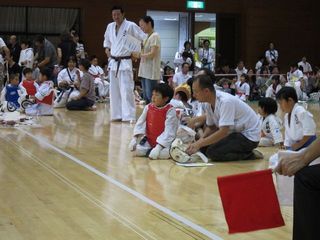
{"x": 180, "y": 78}
{"x": 301, "y": 124}
{"x": 306, "y": 66}
{"x": 2, "y": 44}
{"x": 231, "y": 111}
{"x": 150, "y": 67}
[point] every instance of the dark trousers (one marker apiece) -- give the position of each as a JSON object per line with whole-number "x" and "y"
{"x": 232, "y": 148}
{"x": 80, "y": 104}
{"x": 306, "y": 208}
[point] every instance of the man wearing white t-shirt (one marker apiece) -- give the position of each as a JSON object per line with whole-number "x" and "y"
{"x": 181, "y": 77}
{"x": 5, "y": 49}
{"x": 233, "y": 130}
{"x": 305, "y": 65}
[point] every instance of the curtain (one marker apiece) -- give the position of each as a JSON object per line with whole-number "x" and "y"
{"x": 12, "y": 19}
{"x": 51, "y": 20}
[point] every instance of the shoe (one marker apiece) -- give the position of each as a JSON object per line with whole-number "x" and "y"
{"x": 257, "y": 154}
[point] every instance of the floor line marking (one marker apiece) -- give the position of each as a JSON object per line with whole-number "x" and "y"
{"x": 126, "y": 188}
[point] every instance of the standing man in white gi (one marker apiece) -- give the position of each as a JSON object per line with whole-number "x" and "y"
{"x": 121, "y": 39}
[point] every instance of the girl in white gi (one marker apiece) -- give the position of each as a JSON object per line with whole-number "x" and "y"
{"x": 243, "y": 88}
{"x": 26, "y": 55}
{"x": 97, "y": 72}
{"x": 300, "y": 128}
{"x": 157, "y": 126}
{"x": 295, "y": 77}
{"x": 44, "y": 95}
{"x": 274, "y": 88}
{"x": 271, "y": 124}
{"x": 121, "y": 39}
{"x": 67, "y": 81}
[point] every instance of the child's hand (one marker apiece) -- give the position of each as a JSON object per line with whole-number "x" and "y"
{"x": 155, "y": 152}
{"x": 133, "y": 144}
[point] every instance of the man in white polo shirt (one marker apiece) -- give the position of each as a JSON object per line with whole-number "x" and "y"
{"x": 181, "y": 77}
{"x": 233, "y": 130}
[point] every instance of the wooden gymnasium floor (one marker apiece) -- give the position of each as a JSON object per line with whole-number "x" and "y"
{"x": 75, "y": 179}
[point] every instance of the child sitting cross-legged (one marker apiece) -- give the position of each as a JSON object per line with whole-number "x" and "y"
{"x": 156, "y": 128}
{"x": 271, "y": 125}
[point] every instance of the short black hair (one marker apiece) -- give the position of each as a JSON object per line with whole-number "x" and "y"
{"x": 26, "y": 42}
{"x": 206, "y": 40}
{"x": 183, "y": 96}
{"x": 93, "y": 57}
{"x": 286, "y": 93}
{"x": 246, "y": 77}
{"x": 26, "y": 70}
{"x": 72, "y": 58}
{"x": 46, "y": 72}
{"x": 39, "y": 38}
{"x": 209, "y": 73}
{"x": 117, "y": 8}
{"x": 185, "y": 44}
{"x": 85, "y": 63}
{"x": 148, "y": 19}
{"x": 268, "y": 105}
{"x": 204, "y": 82}
{"x": 13, "y": 76}
{"x": 165, "y": 90}
{"x": 185, "y": 63}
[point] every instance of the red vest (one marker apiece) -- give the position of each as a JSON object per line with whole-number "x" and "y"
{"x": 29, "y": 86}
{"x": 48, "y": 99}
{"x": 155, "y": 122}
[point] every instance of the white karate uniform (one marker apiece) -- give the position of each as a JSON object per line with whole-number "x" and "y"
{"x": 306, "y": 66}
{"x": 272, "y": 55}
{"x": 294, "y": 81}
{"x": 180, "y": 78}
{"x": 209, "y": 55}
{"x": 240, "y": 72}
{"x": 271, "y": 93}
{"x": 67, "y": 95}
{"x": 26, "y": 55}
{"x": 232, "y": 112}
{"x": 38, "y": 109}
{"x": 164, "y": 139}
{"x": 122, "y": 105}
{"x": 271, "y": 127}
{"x": 243, "y": 91}
{"x": 301, "y": 124}
{"x": 102, "y": 85}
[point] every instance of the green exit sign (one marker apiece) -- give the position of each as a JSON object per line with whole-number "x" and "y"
{"x": 195, "y": 5}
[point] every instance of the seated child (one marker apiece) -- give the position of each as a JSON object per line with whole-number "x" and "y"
{"x": 44, "y": 95}
{"x": 12, "y": 94}
{"x": 300, "y": 128}
{"x": 157, "y": 125}
{"x": 274, "y": 88}
{"x": 97, "y": 72}
{"x": 67, "y": 83}
{"x": 243, "y": 88}
{"x": 29, "y": 83}
{"x": 271, "y": 125}
{"x": 180, "y": 100}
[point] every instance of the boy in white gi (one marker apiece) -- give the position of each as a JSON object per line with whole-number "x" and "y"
{"x": 44, "y": 95}
{"x": 67, "y": 81}
{"x": 157, "y": 126}
{"x": 121, "y": 39}
{"x": 300, "y": 128}
{"x": 243, "y": 88}
{"x": 97, "y": 72}
{"x": 271, "y": 125}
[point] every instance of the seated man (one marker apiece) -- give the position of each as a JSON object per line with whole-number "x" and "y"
{"x": 233, "y": 130}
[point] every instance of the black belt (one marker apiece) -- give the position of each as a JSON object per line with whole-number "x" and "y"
{"x": 118, "y": 60}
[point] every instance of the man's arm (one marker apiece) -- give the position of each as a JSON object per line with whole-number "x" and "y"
{"x": 289, "y": 165}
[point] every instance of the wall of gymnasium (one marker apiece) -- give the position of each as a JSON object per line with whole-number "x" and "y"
{"x": 293, "y": 26}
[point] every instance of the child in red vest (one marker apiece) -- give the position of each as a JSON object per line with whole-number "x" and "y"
{"x": 156, "y": 128}
{"x": 44, "y": 95}
{"x": 28, "y": 83}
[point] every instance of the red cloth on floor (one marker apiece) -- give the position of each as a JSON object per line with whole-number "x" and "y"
{"x": 249, "y": 201}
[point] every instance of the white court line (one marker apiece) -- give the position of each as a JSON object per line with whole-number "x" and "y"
{"x": 123, "y": 220}
{"x": 127, "y": 189}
